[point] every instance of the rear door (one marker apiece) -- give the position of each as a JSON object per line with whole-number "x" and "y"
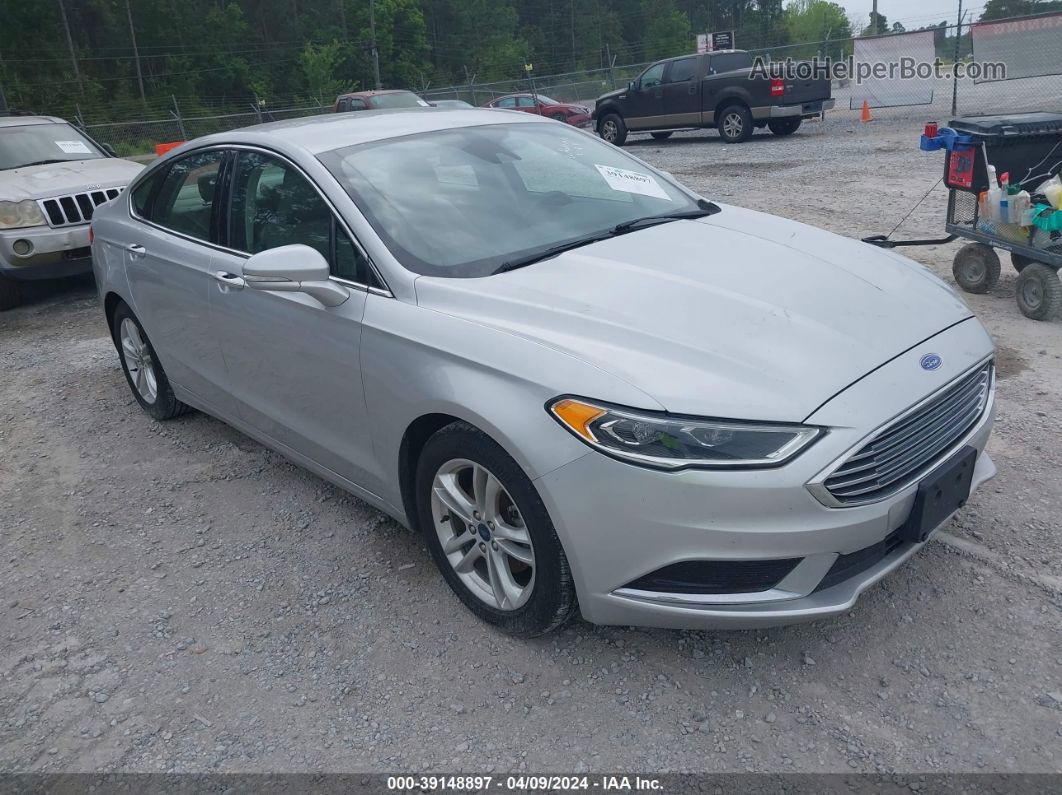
{"x": 168, "y": 259}
{"x": 527, "y": 104}
{"x": 682, "y": 96}
{"x": 645, "y": 103}
{"x": 293, "y": 364}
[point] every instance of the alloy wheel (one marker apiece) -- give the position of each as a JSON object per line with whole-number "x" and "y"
{"x": 733, "y": 124}
{"x": 609, "y": 131}
{"x": 483, "y": 534}
{"x": 138, "y": 361}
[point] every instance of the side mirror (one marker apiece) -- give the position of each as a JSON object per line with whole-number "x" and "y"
{"x": 293, "y": 269}
{"x": 109, "y": 150}
{"x": 632, "y": 86}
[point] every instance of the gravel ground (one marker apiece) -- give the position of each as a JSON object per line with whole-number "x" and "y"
{"x": 174, "y": 597}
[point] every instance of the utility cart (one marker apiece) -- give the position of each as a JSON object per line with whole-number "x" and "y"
{"x": 1028, "y": 147}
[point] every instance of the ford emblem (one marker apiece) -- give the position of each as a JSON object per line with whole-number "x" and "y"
{"x": 931, "y": 361}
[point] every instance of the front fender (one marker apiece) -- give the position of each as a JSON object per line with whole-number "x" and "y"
{"x": 417, "y": 361}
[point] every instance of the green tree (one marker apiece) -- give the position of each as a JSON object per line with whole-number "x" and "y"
{"x": 320, "y": 70}
{"x": 821, "y": 23}
{"x": 667, "y": 30}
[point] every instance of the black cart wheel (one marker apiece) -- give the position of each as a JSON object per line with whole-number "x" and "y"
{"x": 1039, "y": 292}
{"x": 976, "y": 268}
{"x": 1019, "y": 261}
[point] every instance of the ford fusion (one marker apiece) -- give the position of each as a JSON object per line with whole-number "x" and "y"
{"x": 591, "y": 389}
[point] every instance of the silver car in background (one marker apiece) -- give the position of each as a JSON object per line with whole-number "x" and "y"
{"x": 589, "y": 388}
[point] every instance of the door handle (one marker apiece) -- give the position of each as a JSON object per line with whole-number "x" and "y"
{"x": 230, "y": 280}
{"x": 136, "y": 249}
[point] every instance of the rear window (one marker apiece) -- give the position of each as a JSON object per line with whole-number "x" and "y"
{"x": 728, "y": 62}
{"x": 400, "y": 99}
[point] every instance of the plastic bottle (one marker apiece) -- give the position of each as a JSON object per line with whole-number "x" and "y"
{"x": 993, "y": 196}
{"x": 1004, "y": 198}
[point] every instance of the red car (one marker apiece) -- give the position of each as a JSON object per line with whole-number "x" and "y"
{"x": 377, "y": 100}
{"x": 577, "y": 115}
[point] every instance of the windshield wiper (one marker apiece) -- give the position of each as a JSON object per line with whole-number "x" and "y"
{"x": 41, "y": 163}
{"x": 704, "y": 208}
{"x": 552, "y": 251}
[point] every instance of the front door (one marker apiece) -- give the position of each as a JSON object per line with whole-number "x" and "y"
{"x": 682, "y": 96}
{"x": 168, "y": 264}
{"x": 646, "y": 102}
{"x": 293, "y": 363}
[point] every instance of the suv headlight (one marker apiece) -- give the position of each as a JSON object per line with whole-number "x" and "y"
{"x": 15, "y": 215}
{"x": 669, "y": 442}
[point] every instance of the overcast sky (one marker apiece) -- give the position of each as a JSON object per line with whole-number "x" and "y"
{"x": 913, "y": 13}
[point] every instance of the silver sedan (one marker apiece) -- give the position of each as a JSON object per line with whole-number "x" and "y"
{"x": 589, "y": 388}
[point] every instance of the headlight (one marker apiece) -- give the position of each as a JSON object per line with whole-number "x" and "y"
{"x": 15, "y": 215}
{"x": 676, "y": 442}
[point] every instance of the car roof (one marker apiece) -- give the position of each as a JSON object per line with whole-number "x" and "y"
{"x": 21, "y": 121}
{"x": 375, "y": 93}
{"x": 316, "y": 134}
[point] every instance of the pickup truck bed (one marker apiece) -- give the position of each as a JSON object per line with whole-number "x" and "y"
{"x": 716, "y": 89}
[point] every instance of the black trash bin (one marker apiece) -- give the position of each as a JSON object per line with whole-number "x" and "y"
{"x": 1028, "y": 146}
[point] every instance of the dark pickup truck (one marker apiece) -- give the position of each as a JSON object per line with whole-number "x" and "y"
{"x": 715, "y": 89}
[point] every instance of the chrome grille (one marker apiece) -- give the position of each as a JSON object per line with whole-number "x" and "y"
{"x": 912, "y": 444}
{"x": 77, "y": 208}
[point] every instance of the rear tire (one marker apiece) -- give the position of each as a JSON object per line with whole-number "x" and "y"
{"x": 784, "y": 127}
{"x": 143, "y": 370}
{"x": 10, "y": 293}
{"x": 976, "y": 268}
{"x": 558, "y": 117}
{"x": 612, "y": 129}
{"x": 662, "y": 136}
{"x": 1039, "y": 292}
{"x": 735, "y": 124}
{"x": 502, "y": 556}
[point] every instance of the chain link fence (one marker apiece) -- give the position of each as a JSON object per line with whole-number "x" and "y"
{"x": 935, "y": 96}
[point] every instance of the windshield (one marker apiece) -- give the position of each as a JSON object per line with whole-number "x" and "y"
{"x": 400, "y": 99}
{"x": 32, "y": 144}
{"x": 547, "y": 101}
{"x": 464, "y": 202}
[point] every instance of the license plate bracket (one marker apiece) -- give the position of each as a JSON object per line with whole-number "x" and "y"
{"x": 940, "y": 493}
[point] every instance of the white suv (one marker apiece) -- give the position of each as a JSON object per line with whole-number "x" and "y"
{"x": 52, "y": 178}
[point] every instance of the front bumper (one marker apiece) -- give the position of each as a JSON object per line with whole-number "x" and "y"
{"x": 56, "y": 253}
{"x": 620, "y": 522}
{"x": 806, "y": 110}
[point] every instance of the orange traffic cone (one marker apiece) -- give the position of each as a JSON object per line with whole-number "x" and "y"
{"x": 865, "y": 115}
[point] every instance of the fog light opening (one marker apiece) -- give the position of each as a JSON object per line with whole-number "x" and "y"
{"x": 22, "y": 247}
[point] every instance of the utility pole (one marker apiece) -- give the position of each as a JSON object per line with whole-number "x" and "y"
{"x": 573, "y": 33}
{"x": 375, "y": 52}
{"x": 136, "y": 53}
{"x": 70, "y": 46}
{"x": 954, "y": 66}
{"x": 874, "y": 31}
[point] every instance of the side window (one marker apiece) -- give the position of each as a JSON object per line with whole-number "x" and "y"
{"x": 506, "y": 102}
{"x": 186, "y": 199}
{"x": 357, "y": 104}
{"x": 343, "y": 105}
{"x": 274, "y": 205}
{"x": 653, "y": 75}
{"x": 349, "y": 263}
{"x": 143, "y": 193}
{"x": 525, "y": 102}
{"x": 682, "y": 70}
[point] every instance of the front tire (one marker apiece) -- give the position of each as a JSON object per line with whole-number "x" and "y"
{"x": 10, "y": 293}
{"x": 490, "y": 534}
{"x": 976, "y": 268}
{"x": 1039, "y": 292}
{"x": 784, "y": 127}
{"x": 612, "y": 129}
{"x": 735, "y": 124}
{"x": 143, "y": 370}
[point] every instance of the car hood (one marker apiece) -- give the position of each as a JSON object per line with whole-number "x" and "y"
{"x": 55, "y": 179}
{"x": 740, "y": 315}
{"x": 610, "y": 94}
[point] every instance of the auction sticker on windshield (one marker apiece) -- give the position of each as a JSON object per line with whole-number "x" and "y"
{"x": 632, "y": 182}
{"x": 73, "y": 147}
